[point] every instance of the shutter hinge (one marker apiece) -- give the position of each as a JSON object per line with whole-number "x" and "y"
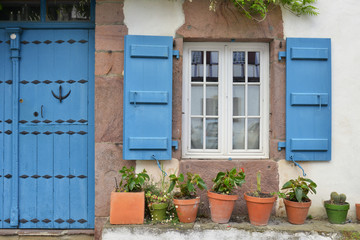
{"x": 281, "y": 145}
{"x": 176, "y": 53}
{"x": 175, "y": 144}
{"x": 282, "y": 55}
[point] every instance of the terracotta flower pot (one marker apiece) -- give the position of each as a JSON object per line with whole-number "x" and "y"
{"x": 221, "y": 206}
{"x": 297, "y": 211}
{"x": 357, "y": 205}
{"x": 127, "y": 207}
{"x": 187, "y": 209}
{"x": 259, "y": 209}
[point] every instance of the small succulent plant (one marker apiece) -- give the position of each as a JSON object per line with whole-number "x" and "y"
{"x": 337, "y": 199}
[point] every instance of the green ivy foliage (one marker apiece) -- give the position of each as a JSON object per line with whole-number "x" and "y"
{"x": 258, "y": 9}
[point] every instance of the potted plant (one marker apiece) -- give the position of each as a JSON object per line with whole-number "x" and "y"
{"x": 296, "y": 200}
{"x": 158, "y": 199}
{"x": 221, "y": 198}
{"x": 337, "y": 208}
{"x": 127, "y": 203}
{"x": 259, "y": 204}
{"x": 186, "y": 201}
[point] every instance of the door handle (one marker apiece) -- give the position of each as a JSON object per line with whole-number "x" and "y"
{"x": 42, "y": 111}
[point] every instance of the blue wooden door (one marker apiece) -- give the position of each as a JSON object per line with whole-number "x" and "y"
{"x": 48, "y": 181}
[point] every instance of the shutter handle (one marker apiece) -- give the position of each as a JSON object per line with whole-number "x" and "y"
{"x": 319, "y": 96}
{"x": 135, "y": 99}
{"x": 42, "y": 111}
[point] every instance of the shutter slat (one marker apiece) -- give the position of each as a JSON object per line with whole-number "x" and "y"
{"x": 149, "y": 97}
{"x": 309, "y": 99}
{"x": 309, "y": 144}
{"x": 309, "y": 53}
{"x": 148, "y": 143}
{"x": 149, "y": 51}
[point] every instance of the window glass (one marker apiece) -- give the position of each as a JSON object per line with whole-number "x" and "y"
{"x": 68, "y": 10}
{"x": 25, "y": 10}
{"x": 211, "y": 133}
{"x": 253, "y": 66}
{"x": 211, "y": 100}
{"x": 239, "y": 66}
{"x": 253, "y": 133}
{"x": 212, "y": 66}
{"x": 253, "y": 100}
{"x": 238, "y": 133}
{"x": 239, "y": 100}
{"x": 197, "y": 100}
{"x": 197, "y": 66}
{"x": 196, "y": 133}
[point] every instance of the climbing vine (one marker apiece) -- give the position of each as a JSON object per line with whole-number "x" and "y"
{"x": 258, "y": 9}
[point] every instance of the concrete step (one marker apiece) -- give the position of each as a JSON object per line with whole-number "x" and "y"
{"x": 42, "y": 234}
{"x": 278, "y": 228}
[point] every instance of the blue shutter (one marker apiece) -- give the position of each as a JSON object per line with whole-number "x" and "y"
{"x": 148, "y": 98}
{"x": 308, "y": 99}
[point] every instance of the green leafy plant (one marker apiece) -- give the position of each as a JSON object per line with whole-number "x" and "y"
{"x": 258, "y": 9}
{"x": 297, "y": 190}
{"x": 338, "y": 199}
{"x": 187, "y": 187}
{"x": 130, "y": 181}
{"x": 226, "y": 182}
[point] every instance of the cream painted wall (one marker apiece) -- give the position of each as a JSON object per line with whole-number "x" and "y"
{"x": 160, "y": 18}
{"x": 153, "y": 17}
{"x": 340, "y": 22}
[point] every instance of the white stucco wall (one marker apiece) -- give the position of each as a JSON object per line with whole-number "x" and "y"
{"x": 153, "y": 17}
{"x": 340, "y": 23}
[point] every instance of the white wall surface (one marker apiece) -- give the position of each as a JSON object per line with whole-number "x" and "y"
{"x": 153, "y": 17}
{"x": 340, "y": 22}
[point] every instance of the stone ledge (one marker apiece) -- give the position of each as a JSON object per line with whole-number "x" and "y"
{"x": 278, "y": 228}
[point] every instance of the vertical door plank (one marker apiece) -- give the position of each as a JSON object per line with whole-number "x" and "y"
{"x": 28, "y": 185}
{"x": 3, "y": 59}
{"x": 78, "y": 184}
{"x": 61, "y": 181}
{"x": 45, "y": 191}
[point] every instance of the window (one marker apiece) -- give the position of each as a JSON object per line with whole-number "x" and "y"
{"x": 225, "y": 100}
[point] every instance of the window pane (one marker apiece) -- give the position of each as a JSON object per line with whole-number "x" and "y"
{"x": 68, "y": 10}
{"x": 197, "y": 100}
{"x": 253, "y": 66}
{"x": 212, "y": 66}
{"x": 211, "y": 133}
{"x": 197, "y": 66}
{"x": 238, "y": 66}
{"x": 196, "y": 133}
{"x": 239, "y": 101}
{"x": 253, "y": 133}
{"x": 26, "y": 10}
{"x": 238, "y": 133}
{"x": 212, "y": 100}
{"x": 253, "y": 100}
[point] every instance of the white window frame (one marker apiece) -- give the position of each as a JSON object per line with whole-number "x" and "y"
{"x": 225, "y": 107}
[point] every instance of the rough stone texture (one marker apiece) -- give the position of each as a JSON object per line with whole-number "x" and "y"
{"x": 209, "y": 169}
{"x": 109, "y": 13}
{"x": 277, "y": 228}
{"x": 277, "y": 99}
{"x": 36, "y": 234}
{"x": 227, "y": 23}
{"x": 108, "y": 109}
{"x": 108, "y": 161}
{"x": 109, "y": 63}
{"x": 177, "y": 96}
{"x": 110, "y": 37}
{"x": 99, "y": 224}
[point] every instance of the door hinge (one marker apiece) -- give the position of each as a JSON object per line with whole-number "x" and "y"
{"x": 281, "y": 145}
{"x": 176, "y": 53}
{"x": 175, "y": 144}
{"x": 282, "y": 55}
